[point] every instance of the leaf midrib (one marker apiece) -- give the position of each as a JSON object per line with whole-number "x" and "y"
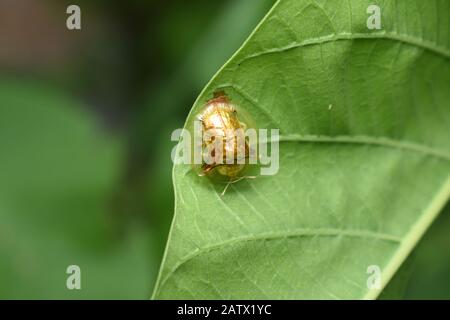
{"x": 412, "y": 237}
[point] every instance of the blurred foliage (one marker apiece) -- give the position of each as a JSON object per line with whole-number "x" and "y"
{"x": 85, "y": 172}
{"x": 85, "y": 122}
{"x": 57, "y": 174}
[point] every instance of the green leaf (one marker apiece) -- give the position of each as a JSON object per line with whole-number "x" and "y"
{"x": 364, "y": 117}
{"x": 58, "y": 173}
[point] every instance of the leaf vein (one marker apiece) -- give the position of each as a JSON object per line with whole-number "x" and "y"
{"x": 413, "y": 41}
{"x": 324, "y": 232}
{"x": 381, "y": 141}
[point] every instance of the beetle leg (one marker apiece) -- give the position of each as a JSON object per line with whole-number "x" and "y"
{"x": 206, "y": 169}
{"x": 231, "y": 182}
{"x": 234, "y": 181}
{"x": 225, "y": 189}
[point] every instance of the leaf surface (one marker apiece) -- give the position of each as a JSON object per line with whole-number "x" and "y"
{"x": 364, "y": 117}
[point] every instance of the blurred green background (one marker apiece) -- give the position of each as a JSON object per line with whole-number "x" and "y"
{"x": 85, "y": 123}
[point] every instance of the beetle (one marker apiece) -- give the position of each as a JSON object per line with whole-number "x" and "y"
{"x": 220, "y": 120}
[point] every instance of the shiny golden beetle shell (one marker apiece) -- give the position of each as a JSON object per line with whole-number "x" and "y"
{"x": 220, "y": 116}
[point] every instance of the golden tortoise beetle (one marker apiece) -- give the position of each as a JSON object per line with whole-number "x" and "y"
{"x": 221, "y": 118}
